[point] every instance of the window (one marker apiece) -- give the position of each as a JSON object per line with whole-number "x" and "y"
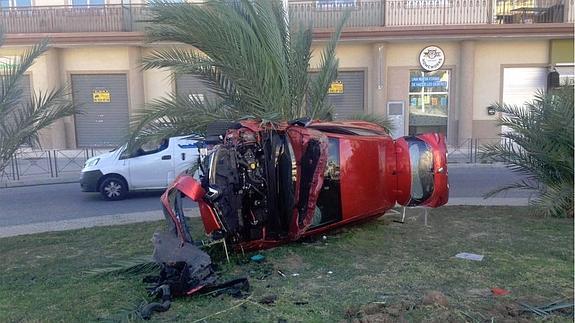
{"x": 428, "y": 101}
{"x": 15, "y": 3}
{"x": 147, "y": 149}
{"x": 88, "y": 2}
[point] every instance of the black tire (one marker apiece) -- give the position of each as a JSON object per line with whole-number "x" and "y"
{"x": 114, "y": 188}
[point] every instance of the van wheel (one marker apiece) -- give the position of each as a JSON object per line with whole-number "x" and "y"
{"x": 114, "y": 188}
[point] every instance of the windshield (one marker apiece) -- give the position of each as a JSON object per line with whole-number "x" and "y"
{"x": 421, "y": 158}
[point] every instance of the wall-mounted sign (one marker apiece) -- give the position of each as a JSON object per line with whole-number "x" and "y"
{"x": 336, "y": 87}
{"x": 431, "y": 58}
{"x": 101, "y": 96}
{"x": 428, "y": 81}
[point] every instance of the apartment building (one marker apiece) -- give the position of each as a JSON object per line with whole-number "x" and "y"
{"x": 430, "y": 65}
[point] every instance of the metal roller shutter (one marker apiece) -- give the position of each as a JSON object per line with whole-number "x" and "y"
{"x": 521, "y": 84}
{"x": 187, "y": 84}
{"x": 102, "y": 119}
{"x": 351, "y": 101}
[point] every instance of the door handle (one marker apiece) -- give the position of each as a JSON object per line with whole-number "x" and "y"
{"x": 183, "y": 156}
{"x": 166, "y": 157}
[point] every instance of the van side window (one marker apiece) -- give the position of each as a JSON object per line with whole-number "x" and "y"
{"x": 151, "y": 148}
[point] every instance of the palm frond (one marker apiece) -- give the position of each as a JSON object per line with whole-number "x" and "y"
{"x": 128, "y": 267}
{"x": 539, "y": 146}
{"x": 319, "y": 85}
{"x": 11, "y": 75}
{"x": 380, "y": 120}
{"x": 246, "y": 54}
{"x": 21, "y": 116}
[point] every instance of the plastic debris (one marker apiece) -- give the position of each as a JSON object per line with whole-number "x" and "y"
{"x": 324, "y": 237}
{"x": 295, "y": 274}
{"x": 469, "y": 256}
{"x": 330, "y": 272}
{"x": 258, "y": 258}
{"x": 282, "y": 274}
{"x": 500, "y": 291}
{"x": 545, "y": 310}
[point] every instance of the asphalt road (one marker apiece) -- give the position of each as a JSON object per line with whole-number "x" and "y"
{"x": 44, "y": 203}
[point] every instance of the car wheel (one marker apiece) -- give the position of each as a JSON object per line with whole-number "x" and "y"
{"x": 114, "y": 188}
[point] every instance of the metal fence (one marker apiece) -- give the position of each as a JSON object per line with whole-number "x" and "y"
{"x": 470, "y": 150}
{"x": 33, "y": 164}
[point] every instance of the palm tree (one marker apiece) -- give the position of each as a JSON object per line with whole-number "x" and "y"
{"x": 247, "y": 55}
{"x": 22, "y": 116}
{"x": 539, "y": 147}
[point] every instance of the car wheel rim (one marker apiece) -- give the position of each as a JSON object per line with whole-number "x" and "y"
{"x": 113, "y": 189}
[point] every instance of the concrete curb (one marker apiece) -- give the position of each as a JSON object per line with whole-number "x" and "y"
{"x": 136, "y": 217}
{"x": 466, "y": 165}
{"x": 494, "y": 201}
{"x": 97, "y": 221}
{"x": 38, "y": 182}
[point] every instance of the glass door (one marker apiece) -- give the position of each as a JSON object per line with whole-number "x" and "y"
{"x": 428, "y": 101}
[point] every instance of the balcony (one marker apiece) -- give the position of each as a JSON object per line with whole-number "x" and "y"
{"x": 398, "y": 13}
{"x": 365, "y": 14}
{"x": 73, "y": 19}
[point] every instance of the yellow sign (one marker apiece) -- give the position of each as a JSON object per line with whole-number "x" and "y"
{"x": 101, "y": 96}
{"x": 336, "y": 87}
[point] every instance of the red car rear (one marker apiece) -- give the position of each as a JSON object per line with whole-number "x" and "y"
{"x": 264, "y": 185}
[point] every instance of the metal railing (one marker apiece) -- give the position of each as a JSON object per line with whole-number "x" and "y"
{"x": 370, "y": 13}
{"x": 33, "y": 164}
{"x": 531, "y": 11}
{"x": 70, "y": 19}
{"x": 437, "y": 12}
{"x": 470, "y": 150}
{"x": 318, "y": 14}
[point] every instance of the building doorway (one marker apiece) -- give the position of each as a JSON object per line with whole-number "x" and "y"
{"x": 428, "y": 101}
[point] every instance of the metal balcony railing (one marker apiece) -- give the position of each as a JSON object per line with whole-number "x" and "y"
{"x": 72, "y": 19}
{"x": 318, "y": 14}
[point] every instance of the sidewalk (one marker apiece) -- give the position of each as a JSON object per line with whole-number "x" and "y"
{"x": 127, "y": 218}
{"x": 34, "y": 181}
{"x": 97, "y": 221}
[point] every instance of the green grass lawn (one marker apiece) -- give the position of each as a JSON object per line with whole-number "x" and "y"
{"x": 379, "y": 270}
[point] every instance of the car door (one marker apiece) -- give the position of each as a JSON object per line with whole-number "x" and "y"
{"x": 185, "y": 154}
{"x": 152, "y": 170}
{"x": 421, "y": 169}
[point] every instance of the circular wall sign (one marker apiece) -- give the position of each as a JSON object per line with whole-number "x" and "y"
{"x": 431, "y": 58}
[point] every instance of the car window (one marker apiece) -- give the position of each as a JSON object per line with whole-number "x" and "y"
{"x": 148, "y": 148}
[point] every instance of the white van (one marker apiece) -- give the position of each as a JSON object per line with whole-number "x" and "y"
{"x": 152, "y": 167}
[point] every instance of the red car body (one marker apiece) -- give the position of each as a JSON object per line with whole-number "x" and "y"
{"x": 263, "y": 185}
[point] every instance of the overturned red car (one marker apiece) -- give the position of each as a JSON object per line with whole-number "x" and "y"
{"x": 265, "y": 184}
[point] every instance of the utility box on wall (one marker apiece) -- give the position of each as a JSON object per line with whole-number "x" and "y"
{"x": 396, "y": 114}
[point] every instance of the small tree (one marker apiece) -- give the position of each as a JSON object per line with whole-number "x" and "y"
{"x": 247, "y": 55}
{"x": 22, "y": 116}
{"x": 539, "y": 146}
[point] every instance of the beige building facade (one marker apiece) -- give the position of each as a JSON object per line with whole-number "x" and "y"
{"x": 380, "y": 68}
